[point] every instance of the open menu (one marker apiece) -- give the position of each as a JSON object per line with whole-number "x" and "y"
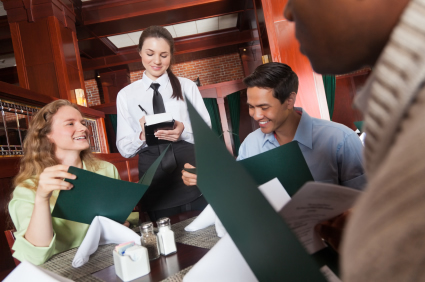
{"x": 95, "y": 194}
{"x": 313, "y": 203}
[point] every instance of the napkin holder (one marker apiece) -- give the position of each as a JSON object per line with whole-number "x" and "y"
{"x": 128, "y": 269}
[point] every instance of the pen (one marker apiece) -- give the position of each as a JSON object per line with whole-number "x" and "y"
{"x": 143, "y": 109}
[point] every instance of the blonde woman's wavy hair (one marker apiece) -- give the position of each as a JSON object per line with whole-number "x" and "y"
{"x": 39, "y": 152}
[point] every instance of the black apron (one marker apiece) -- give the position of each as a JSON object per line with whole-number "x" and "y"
{"x": 167, "y": 189}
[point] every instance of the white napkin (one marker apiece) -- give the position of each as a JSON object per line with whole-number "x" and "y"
{"x": 103, "y": 231}
{"x": 224, "y": 262}
{"x": 207, "y": 218}
{"x": 26, "y": 271}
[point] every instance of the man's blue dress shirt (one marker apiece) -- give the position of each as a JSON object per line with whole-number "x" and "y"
{"x": 333, "y": 152}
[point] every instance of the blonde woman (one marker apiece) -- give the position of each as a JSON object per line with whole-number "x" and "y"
{"x": 57, "y": 138}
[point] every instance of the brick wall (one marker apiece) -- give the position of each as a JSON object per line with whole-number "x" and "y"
{"x": 210, "y": 71}
{"x": 92, "y": 92}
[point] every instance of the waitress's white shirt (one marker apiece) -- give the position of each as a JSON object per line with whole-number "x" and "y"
{"x": 140, "y": 93}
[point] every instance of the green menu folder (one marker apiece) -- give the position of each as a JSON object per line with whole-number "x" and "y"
{"x": 94, "y": 195}
{"x": 359, "y": 125}
{"x": 265, "y": 241}
{"x": 286, "y": 162}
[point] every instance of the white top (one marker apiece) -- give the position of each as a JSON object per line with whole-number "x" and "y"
{"x": 140, "y": 93}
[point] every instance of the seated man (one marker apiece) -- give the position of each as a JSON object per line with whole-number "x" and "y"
{"x": 333, "y": 152}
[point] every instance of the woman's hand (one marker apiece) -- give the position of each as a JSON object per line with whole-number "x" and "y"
{"x": 189, "y": 179}
{"x": 171, "y": 135}
{"x": 52, "y": 178}
{"x": 142, "y": 124}
{"x": 40, "y": 230}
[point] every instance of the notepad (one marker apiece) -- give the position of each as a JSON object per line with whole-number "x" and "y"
{"x": 157, "y": 122}
{"x": 158, "y": 118}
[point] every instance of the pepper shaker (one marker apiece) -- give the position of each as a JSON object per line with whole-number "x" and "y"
{"x": 149, "y": 240}
{"x": 167, "y": 244}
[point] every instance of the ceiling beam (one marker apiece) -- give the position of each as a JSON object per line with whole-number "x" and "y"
{"x": 107, "y": 18}
{"x": 183, "y": 45}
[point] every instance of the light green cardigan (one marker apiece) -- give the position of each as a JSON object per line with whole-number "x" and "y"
{"x": 67, "y": 234}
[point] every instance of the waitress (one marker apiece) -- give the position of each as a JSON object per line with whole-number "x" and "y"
{"x": 161, "y": 91}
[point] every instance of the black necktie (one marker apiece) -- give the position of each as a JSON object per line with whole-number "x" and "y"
{"x": 157, "y": 102}
{"x": 168, "y": 163}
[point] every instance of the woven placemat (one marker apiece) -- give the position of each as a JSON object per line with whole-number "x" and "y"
{"x": 62, "y": 263}
{"x": 178, "y": 277}
{"x": 205, "y": 238}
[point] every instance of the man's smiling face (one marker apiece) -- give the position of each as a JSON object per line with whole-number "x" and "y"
{"x": 267, "y": 110}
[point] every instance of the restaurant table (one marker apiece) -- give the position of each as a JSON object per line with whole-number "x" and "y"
{"x": 191, "y": 247}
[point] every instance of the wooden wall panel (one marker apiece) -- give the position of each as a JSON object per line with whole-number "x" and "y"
{"x": 284, "y": 48}
{"x": 251, "y": 58}
{"x": 69, "y": 52}
{"x": 345, "y": 91}
{"x": 39, "y": 78}
{"x": 35, "y": 37}
{"x": 290, "y": 55}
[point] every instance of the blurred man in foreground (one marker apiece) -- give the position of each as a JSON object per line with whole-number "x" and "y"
{"x": 384, "y": 239}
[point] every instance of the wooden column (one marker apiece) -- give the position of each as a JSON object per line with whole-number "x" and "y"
{"x": 277, "y": 38}
{"x": 113, "y": 82}
{"x": 251, "y": 58}
{"x": 45, "y": 46}
{"x": 224, "y": 124}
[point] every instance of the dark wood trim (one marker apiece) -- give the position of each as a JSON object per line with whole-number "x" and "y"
{"x": 91, "y": 113}
{"x": 104, "y": 11}
{"x": 225, "y": 38}
{"x": 109, "y": 109}
{"x": 129, "y": 18}
{"x": 23, "y": 95}
{"x": 9, "y": 167}
{"x": 19, "y": 55}
{"x": 32, "y": 11}
{"x": 9, "y": 75}
{"x": 221, "y": 90}
{"x": 19, "y": 94}
{"x": 4, "y": 28}
{"x": 364, "y": 71}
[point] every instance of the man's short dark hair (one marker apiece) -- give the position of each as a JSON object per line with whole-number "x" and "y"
{"x": 277, "y": 76}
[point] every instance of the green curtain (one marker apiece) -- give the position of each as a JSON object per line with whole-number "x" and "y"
{"x": 235, "y": 110}
{"x": 212, "y": 107}
{"x": 113, "y": 119}
{"x": 329, "y": 83}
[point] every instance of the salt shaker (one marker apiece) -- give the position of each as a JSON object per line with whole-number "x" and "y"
{"x": 167, "y": 244}
{"x": 149, "y": 240}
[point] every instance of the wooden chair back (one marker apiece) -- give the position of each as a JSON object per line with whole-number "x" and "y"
{"x": 10, "y": 241}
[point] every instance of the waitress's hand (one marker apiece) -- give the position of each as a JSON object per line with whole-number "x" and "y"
{"x": 142, "y": 124}
{"x": 189, "y": 179}
{"x": 52, "y": 178}
{"x": 171, "y": 135}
